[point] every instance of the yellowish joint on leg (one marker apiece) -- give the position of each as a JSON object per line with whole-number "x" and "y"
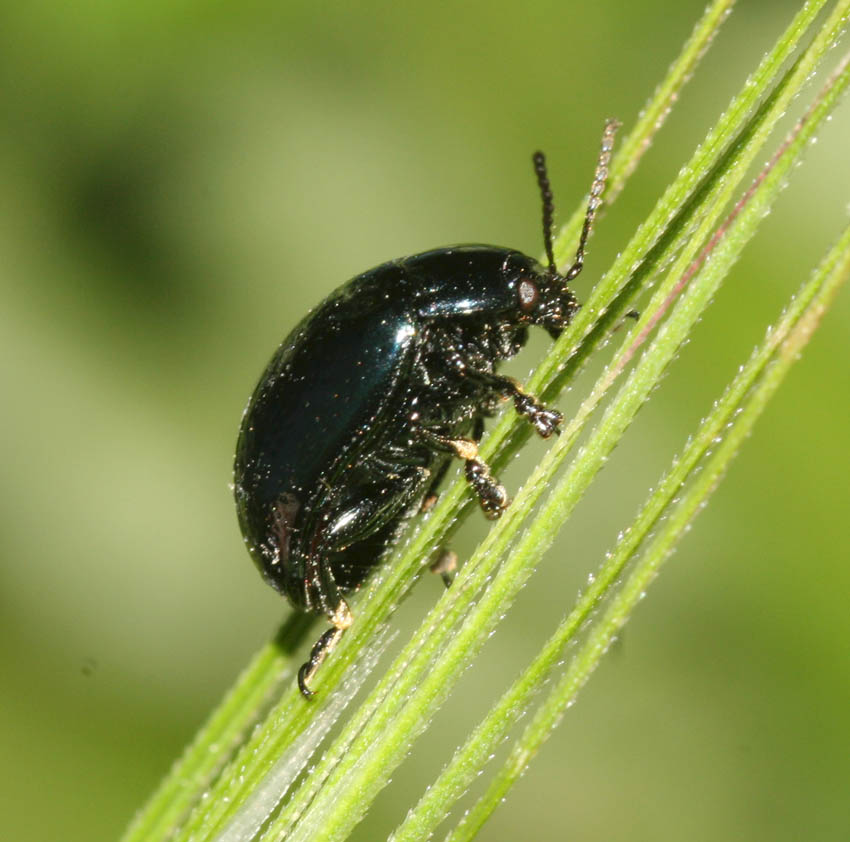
{"x": 466, "y": 449}
{"x": 342, "y": 618}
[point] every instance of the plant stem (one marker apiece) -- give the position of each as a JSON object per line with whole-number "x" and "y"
{"x": 774, "y": 360}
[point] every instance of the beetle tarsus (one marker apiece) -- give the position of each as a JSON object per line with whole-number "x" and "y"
{"x": 491, "y": 494}
{"x": 341, "y": 619}
{"x": 303, "y": 674}
{"x": 634, "y": 315}
{"x": 545, "y": 421}
{"x": 445, "y": 566}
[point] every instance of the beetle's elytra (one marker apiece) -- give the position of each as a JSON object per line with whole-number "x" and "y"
{"x": 357, "y": 416}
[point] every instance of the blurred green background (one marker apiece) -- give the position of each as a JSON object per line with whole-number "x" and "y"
{"x": 179, "y": 182}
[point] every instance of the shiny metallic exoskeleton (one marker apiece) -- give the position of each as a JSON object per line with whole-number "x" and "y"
{"x": 360, "y": 411}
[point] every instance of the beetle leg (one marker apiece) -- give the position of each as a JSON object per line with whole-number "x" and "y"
{"x": 445, "y": 565}
{"x": 632, "y": 314}
{"x": 478, "y": 427}
{"x": 431, "y": 495}
{"x": 341, "y": 619}
{"x": 383, "y": 492}
{"x": 545, "y": 421}
{"x": 355, "y": 521}
{"x": 491, "y": 493}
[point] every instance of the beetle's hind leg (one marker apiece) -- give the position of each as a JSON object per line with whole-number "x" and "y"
{"x": 432, "y": 494}
{"x": 341, "y": 619}
{"x": 445, "y": 566}
{"x": 491, "y": 493}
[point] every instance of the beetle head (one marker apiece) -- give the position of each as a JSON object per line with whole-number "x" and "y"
{"x": 542, "y": 295}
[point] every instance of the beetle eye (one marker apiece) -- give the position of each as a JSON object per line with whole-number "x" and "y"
{"x": 528, "y": 295}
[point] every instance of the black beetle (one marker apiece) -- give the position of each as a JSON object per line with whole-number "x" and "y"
{"x": 357, "y": 416}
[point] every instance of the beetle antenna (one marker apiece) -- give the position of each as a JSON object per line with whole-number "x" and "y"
{"x": 595, "y": 200}
{"x": 548, "y": 207}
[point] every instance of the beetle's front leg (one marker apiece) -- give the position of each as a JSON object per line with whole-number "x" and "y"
{"x": 491, "y": 493}
{"x": 546, "y": 421}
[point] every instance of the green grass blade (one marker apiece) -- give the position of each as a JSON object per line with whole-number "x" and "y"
{"x": 770, "y": 363}
{"x": 468, "y": 761}
{"x": 204, "y": 758}
{"x": 292, "y": 716}
{"x": 385, "y": 740}
{"x": 650, "y": 120}
{"x": 720, "y": 140}
{"x": 623, "y": 164}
